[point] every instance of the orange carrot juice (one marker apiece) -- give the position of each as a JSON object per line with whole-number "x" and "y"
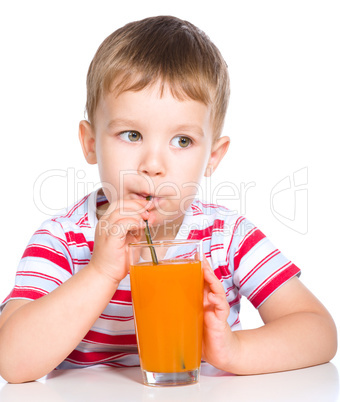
{"x": 168, "y": 307}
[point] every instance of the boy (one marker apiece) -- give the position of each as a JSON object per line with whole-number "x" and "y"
{"x": 157, "y": 94}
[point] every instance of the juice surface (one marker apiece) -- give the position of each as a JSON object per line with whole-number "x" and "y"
{"x": 168, "y": 306}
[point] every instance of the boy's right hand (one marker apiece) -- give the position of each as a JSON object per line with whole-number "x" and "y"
{"x": 121, "y": 224}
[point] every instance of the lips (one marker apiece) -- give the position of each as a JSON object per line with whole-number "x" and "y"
{"x": 143, "y": 196}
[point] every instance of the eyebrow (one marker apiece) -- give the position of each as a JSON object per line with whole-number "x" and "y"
{"x": 121, "y": 122}
{"x": 188, "y": 127}
{"x": 132, "y": 123}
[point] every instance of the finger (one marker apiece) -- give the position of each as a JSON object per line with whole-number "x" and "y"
{"x": 130, "y": 239}
{"x": 134, "y": 237}
{"x": 213, "y": 282}
{"x": 119, "y": 228}
{"x": 129, "y": 226}
{"x": 127, "y": 207}
{"x": 206, "y": 263}
{"x": 219, "y": 301}
{"x": 119, "y": 214}
{"x": 219, "y": 306}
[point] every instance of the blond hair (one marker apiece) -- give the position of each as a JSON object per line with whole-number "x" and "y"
{"x": 165, "y": 49}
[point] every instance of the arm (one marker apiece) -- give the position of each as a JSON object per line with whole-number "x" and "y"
{"x": 35, "y": 336}
{"x": 298, "y": 331}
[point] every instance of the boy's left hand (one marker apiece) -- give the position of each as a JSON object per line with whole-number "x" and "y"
{"x": 219, "y": 342}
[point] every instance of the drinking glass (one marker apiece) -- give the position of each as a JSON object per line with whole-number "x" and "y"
{"x": 167, "y": 296}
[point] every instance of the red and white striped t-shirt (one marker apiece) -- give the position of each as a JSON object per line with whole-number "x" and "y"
{"x": 245, "y": 261}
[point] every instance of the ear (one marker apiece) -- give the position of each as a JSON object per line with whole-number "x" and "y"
{"x": 87, "y": 141}
{"x": 219, "y": 149}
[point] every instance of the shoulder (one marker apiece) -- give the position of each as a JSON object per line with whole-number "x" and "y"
{"x": 222, "y": 229}
{"x": 71, "y": 226}
{"x": 219, "y": 217}
{"x": 65, "y": 240}
{"x": 75, "y": 215}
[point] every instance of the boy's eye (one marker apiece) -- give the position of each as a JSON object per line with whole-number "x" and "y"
{"x": 181, "y": 142}
{"x": 131, "y": 136}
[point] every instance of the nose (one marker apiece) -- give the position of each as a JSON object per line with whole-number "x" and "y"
{"x": 153, "y": 162}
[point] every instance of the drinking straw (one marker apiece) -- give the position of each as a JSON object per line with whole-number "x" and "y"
{"x": 149, "y": 239}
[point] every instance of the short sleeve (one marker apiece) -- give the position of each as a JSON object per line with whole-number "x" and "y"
{"x": 259, "y": 267}
{"x": 45, "y": 264}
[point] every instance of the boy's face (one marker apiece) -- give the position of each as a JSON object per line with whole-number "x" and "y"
{"x": 147, "y": 145}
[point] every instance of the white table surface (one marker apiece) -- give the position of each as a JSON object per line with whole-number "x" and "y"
{"x": 319, "y": 384}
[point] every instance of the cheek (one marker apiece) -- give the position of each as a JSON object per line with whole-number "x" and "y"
{"x": 109, "y": 178}
{"x": 188, "y": 174}
{"x": 191, "y": 170}
{"x": 190, "y": 178}
{"x": 110, "y": 189}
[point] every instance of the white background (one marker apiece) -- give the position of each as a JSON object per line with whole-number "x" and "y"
{"x": 284, "y": 64}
